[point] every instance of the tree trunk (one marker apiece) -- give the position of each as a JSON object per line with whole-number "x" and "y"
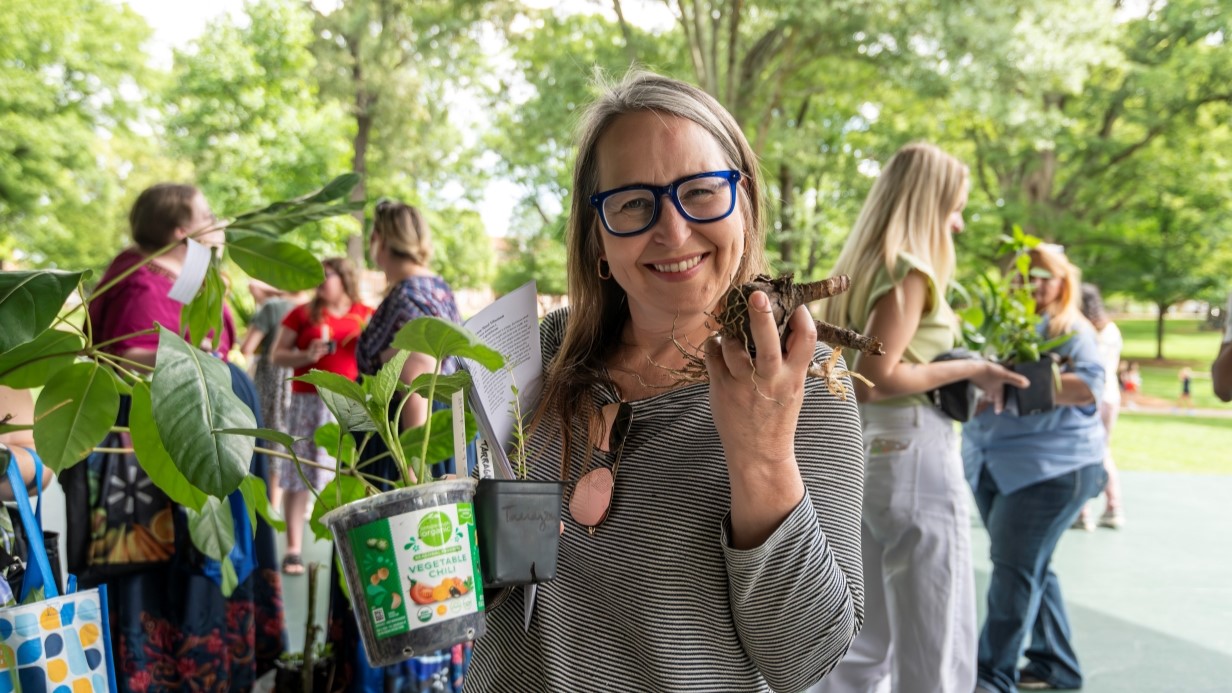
{"x": 1159, "y": 331}
{"x": 359, "y": 164}
{"x": 787, "y": 231}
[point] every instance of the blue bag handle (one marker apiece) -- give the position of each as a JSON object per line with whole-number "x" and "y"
{"x": 38, "y": 566}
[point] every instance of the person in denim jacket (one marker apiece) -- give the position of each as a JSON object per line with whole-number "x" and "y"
{"x": 1031, "y": 475}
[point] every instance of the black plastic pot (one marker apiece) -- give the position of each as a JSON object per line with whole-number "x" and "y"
{"x": 956, "y": 400}
{"x": 518, "y": 523}
{"x": 1040, "y": 396}
{"x": 289, "y": 675}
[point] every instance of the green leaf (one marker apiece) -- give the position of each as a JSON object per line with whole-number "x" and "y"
{"x": 280, "y": 264}
{"x": 203, "y": 314}
{"x": 35, "y": 373}
{"x": 440, "y": 445}
{"x": 344, "y": 398}
{"x": 384, "y": 384}
{"x": 446, "y": 385}
{"x": 339, "y": 443}
{"x": 343, "y": 489}
{"x": 229, "y": 579}
{"x": 153, "y": 457}
{"x": 281, "y": 217}
{"x": 30, "y": 301}
{"x": 284, "y": 439}
{"x": 440, "y": 338}
{"x": 192, "y": 400}
{"x": 73, "y": 413}
{"x": 256, "y": 498}
{"x": 351, "y": 415}
{"x": 212, "y": 528}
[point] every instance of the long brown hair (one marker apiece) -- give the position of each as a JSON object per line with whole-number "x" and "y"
{"x": 598, "y": 308}
{"x": 345, "y": 270}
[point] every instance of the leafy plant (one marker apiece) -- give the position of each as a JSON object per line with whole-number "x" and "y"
{"x": 999, "y": 319}
{"x": 190, "y": 433}
{"x": 365, "y": 409}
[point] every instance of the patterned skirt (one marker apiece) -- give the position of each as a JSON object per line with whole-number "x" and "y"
{"x": 306, "y": 415}
{"x": 275, "y": 394}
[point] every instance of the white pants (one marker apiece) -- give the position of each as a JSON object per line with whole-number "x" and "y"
{"x": 919, "y": 624}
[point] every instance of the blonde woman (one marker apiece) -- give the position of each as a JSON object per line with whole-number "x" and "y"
{"x": 1031, "y": 476}
{"x": 920, "y": 595}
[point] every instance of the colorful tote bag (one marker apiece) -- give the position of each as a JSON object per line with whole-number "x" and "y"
{"x": 60, "y": 643}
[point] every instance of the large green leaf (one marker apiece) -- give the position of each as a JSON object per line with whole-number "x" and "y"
{"x": 153, "y": 457}
{"x": 256, "y": 497}
{"x": 440, "y": 338}
{"x": 229, "y": 578}
{"x": 74, "y": 412}
{"x": 193, "y": 400}
{"x": 278, "y": 263}
{"x": 29, "y": 301}
{"x": 446, "y": 385}
{"x": 212, "y": 528}
{"x": 204, "y": 313}
{"x": 440, "y": 444}
{"x": 344, "y": 398}
{"x": 341, "y": 490}
{"x": 38, "y": 368}
{"x": 284, "y": 439}
{"x": 281, "y": 217}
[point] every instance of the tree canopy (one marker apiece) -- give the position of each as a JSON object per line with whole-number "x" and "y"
{"x": 1103, "y": 126}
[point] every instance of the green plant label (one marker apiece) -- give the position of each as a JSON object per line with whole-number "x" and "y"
{"x": 419, "y": 568}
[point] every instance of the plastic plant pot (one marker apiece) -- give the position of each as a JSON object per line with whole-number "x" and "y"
{"x": 412, "y": 568}
{"x": 519, "y": 530}
{"x": 1040, "y": 396}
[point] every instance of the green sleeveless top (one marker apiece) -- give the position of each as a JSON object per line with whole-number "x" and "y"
{"x": 938, "y": 328}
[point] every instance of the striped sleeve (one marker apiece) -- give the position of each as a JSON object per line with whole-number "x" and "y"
{"x": 798, "y": 599}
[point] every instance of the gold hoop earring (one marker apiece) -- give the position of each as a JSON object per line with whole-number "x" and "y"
{"x": 603, "y": 264}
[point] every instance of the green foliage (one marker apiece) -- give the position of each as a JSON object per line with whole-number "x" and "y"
{"x": 30, "y": 301}
{"x": 73, "y": 412}
{"x": 68, "y": 71}
{"x": 1001, "y": 322}
{"x": 152, "y": 455}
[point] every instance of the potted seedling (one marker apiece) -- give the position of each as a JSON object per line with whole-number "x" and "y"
{"x": 408, "y": 554}
{"x": 519, "y": 519}
{"x": 313, "y": 668}
{"x": 1000, "y": 323}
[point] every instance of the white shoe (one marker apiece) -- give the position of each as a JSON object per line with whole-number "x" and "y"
{"x": 1084, "y": 522}
{"x": 1112, "y": 520}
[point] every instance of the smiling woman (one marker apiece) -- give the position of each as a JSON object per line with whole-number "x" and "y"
{"x": 738, "y": 498}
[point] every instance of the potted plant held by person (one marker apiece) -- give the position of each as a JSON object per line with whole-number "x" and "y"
{"x": 409, "y": 554}
{"x": 519, "y": 519}
{"x": 1001, "y": 324}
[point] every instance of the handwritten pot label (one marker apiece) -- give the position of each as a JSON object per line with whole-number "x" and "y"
{"x": 418, "y": 568}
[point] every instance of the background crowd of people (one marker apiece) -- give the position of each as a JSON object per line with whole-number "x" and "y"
{"x": 829, "y": 539}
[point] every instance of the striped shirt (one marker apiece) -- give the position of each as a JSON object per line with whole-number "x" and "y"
{"x": 657, "y": 599}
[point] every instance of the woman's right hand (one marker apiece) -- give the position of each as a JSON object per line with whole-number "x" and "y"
{"x": 992, "y": 379}
{"x": 316, "y": 349}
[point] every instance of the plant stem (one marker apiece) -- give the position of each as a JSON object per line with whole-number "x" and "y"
{"x": 113, "y": 340}
{"x": 423, "y": 455}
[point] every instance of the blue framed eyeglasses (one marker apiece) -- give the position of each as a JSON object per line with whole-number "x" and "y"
{"x": 701, "y": 198}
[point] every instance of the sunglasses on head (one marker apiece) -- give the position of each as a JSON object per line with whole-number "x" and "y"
{"x": 592, "y": 495}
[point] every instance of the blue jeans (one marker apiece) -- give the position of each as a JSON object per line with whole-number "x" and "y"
{"x": 1024, "y": 595}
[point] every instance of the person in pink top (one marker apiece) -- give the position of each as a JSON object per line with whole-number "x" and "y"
{"x": 128, "y": 311}
{"x": 318, "y": 335}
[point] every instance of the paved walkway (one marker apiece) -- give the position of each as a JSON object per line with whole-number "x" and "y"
{"x": 1151, "y": 604}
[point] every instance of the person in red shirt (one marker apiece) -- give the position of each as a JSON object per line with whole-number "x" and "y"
{"x": 318, "y": 335}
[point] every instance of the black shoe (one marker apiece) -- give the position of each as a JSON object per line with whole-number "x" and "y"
{"x": 1028, "y": 682}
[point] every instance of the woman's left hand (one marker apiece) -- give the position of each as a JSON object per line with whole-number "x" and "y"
{"x": 756, "y": 405}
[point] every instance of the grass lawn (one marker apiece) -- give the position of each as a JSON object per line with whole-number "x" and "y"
{"x": 1179, "y": 444}
{"x": 1183, "y": 341}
